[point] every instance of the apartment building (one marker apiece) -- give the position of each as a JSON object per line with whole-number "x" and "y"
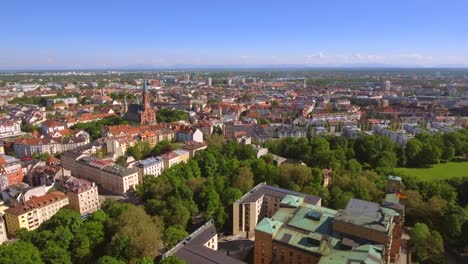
{"x": 11, "y": 171}
{"x": 400, "y": 137}
{"x": 3, "y": 231}
{"x": 50, "y": 126}
{"x": 9, "y": 127}
{"x": 187, "y": 133}
{"x": 106, "y": 173}
{"x": 150, "y": 166}
{"x": 32, "y": 213}
{"x": 262, "y": 201}
{"x": 82, "y": 195}
{"x": 175, "y": 157}
{"x": 26, "y": 147}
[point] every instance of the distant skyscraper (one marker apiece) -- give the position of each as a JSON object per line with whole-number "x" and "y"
{"x": 229, "y": 82}
{"x": 305, "y": 83}
{"x": 187, "y": 78}
{"x": 386, "y": 86}
{"x": 209, "y": 81}
{"x": 194, "y": 77}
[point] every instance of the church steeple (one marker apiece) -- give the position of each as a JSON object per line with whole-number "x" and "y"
{"x": 147, "y": 116}
{"x": 146, "y": 101}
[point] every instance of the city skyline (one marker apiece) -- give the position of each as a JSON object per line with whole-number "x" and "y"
{"x": 144, "y": 34}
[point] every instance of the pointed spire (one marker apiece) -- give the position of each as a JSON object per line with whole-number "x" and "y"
{"x": 145, "y": 87}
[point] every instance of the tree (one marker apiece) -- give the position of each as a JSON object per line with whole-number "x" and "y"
{"x": 166, "y": 115}
{"x": 122, "y": 161}
{"x": 162, "y": 147}
{"x": 207, "y": 163}
{"x": 54, "y": 253}
{"x": 136, "y": 235}
{"x": 425, "y": 244}
{"x": 300, "y": 175}
{"x": 171, "y": 260}
{"x": 20, "y": 252}
{"x": 66, "y": 218}
{"x": 173, "y": 235}
{"x": 110, "y": 260}
{"x": 209, "y": 200}
{"x": 244, "y": 180}
{"x": 354, "y": 167}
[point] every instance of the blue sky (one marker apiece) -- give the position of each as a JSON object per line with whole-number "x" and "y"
{"x": 99, "y": 33}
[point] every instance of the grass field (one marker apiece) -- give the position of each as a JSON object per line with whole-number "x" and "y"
{"x": 442, "y": 171}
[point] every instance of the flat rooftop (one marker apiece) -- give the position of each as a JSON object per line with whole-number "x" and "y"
{"x": 264, "y": 189}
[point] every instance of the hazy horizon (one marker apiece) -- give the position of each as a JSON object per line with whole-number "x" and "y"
{"x": 102, "y": 35}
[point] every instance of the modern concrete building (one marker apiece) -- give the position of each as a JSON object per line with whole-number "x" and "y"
{"x": 82, "y": 195}
{"x": 262, "y": 201}
{"x": 32, "y": 213}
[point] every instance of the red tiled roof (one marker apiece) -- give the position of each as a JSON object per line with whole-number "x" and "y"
{"x": 36, "y": 202}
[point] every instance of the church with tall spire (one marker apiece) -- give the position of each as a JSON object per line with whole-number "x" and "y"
{"x": 142, "y": 113}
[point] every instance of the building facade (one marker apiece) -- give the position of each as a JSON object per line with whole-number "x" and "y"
{"x": 32, "y": 213}
{"x": 150, "y": 166}
{"x": 189, "y": 134}
{"x": 262, "y": 201}
{"x": 26, "y": 147}
{"x": 9, "y": 127}
{"x": 106, "y": 173}
{"x": 175, "y": 157}
{"x": 299, "y": 231}
{"x": 3, "y": 231}
{"x": 11, "y": 171}
{"x": 82, "y": 195}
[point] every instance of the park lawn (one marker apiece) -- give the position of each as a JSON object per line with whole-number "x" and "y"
{"x": 441, "y": 171}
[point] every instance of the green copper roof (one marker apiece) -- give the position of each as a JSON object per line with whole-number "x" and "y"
{"x": 268, "y": 226}
{"x": 390, "y": 212}
{"x": 292, "y": 200}
{"x": 322, "y": 224}
{"x": 368, "y": 254}
{"x": 392, "y": 198}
